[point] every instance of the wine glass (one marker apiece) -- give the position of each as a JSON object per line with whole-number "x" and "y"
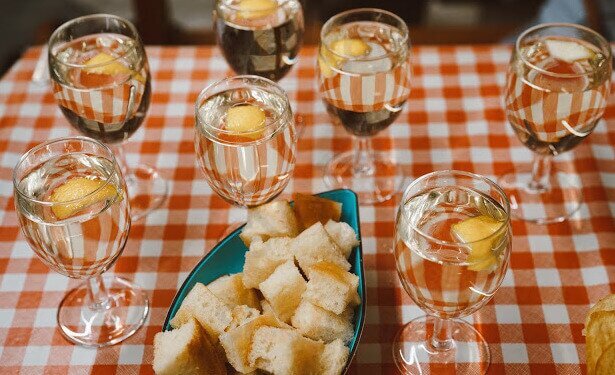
{"x": 260, "y": 37}
{"x": 101, "y": 81}
{"x": 72, "y": 209}
{"x": 245, "y": 139}
{"x": 452, "y": 247}
{"x": 364, "y": 79}
{"x": 557, "y": 85}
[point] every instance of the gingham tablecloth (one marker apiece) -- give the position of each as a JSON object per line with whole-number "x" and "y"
{"x": 454, "y": 119}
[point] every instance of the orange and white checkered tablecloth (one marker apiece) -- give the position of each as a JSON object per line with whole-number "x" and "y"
{"x": 453, "y": 119}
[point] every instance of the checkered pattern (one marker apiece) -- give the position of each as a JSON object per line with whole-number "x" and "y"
{"x": 553, "y": 115}
{"x": 454, "y": 118}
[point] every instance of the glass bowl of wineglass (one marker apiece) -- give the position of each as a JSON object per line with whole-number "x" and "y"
{"x": 364, "y": 80}
{"x": 245, "y": 139}
{"x": 101, "y": 81}
{"x": 71, "y": 203}
{"x": 452, "y": 248}
{"x": 557, "y": 86}
{"x": 259, "y": 37}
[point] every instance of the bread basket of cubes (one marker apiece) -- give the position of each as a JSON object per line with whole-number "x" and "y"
{"x": 283, "y": 294}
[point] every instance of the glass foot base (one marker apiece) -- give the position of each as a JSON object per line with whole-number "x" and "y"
{"x": 412, "y": 354}
{"x": 126, "y": 312}
{"x": 544, "y": 206}
{"x": 378, "y": 184}
{"x": 147, "y": 191}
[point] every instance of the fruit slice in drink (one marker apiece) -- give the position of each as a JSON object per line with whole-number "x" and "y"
{"x": 79, "y": 193}
{"x": 478, "y": 233}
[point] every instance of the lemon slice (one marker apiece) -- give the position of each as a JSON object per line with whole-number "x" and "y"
{"x": 251, "y": 9}
{"x": 79, "y": 190}
{"x": 109, "y": 66}
{"x": 567, "y": 51}
{"x": 473, "y": 230}
{"x": 350, "y": 47}
{"x": 246, "y": 120}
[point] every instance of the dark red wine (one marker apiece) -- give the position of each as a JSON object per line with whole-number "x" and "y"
{"x": 363, "y": 124}
{"x": 111, "y": 133}
{"x": 266, "y": 46}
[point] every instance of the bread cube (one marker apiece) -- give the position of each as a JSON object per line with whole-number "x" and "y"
{"x": 315, "y": 245}
{"x": 319, "y": 324}
{"x": 231, "y": 290}
{"x": 334, "y": 358}
{"x": 186, "y": 350}
{"x": 267, "y": 309}
{"x": 332, "y": 288}
{"x": 283, "y": 290}
{"x": 285, "y": 352}
{"x": 242, "y": 315}
{"x": 273, "y": 219}
{"x": 237, "y": 342}
{"x": 263, "y": 258}
{"x": 210, "y": 311}
{"x": 311, "y": 209}
{"x": 343, "y": 235}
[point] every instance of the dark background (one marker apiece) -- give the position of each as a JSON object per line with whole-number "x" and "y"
{"x": 29, "y": 22}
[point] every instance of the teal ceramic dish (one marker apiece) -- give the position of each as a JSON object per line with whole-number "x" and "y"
{"x": 228, "y": 257}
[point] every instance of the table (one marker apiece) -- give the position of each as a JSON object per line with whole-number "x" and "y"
{"x": 454, "y": 119}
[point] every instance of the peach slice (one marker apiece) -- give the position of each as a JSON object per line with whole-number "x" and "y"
{"x": 246, "y": 120}
{"x": 350, "y": 47}
{"x": 478, "y": 231}
{"x": 251, "y": 9}
{"x": 109, "y": 66}
{"x": 78, "y": 191}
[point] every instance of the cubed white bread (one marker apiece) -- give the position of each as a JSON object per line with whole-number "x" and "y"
{"x": 186, "y": 351}
{"x": 263, "y": 258}
{"x": 231, "y": 290}
{"x": 285, "y": 352}
{"x": 334, "y": 358}
{"x": 267, "y": 309}
{"x": 210, "y": 311}
{"x": 242, "y": 315}
{"x": 331, "y": 287}
{"x": 319, "y": 324}
{"x": 274, "y": 219}
{"x": 343, "y": 235}
{"x": 283, "y": 290}
{"x": 237, "y": 342}
{"x": 314, "y": 245}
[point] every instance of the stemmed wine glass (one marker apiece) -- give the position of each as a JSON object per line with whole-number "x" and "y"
{"x": 101, "y": 81}
{"x": 452, "y": 247}
{"x": 259, "y": 37}
{"x": 71, "y": 203}
{"x": 364, "y": 79}
{"x": 557, "y": 86}
{"x": 245, "y": 139}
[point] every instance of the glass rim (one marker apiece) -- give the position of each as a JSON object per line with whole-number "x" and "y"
{"x": 236, "y": 8}
{"x": 404, "y": 31}
{"x": 276, "y": 120}
{"x": 36, "y": 148}
{"x": 68, "y": 23}
{"x": 453, "y": 172}
{"x": 524, "y": 34}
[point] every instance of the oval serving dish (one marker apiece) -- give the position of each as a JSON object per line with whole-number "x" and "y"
{"x": 228, "y": 257}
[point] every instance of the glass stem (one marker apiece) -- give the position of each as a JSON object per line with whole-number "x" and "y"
{"x": 441, "y": 338}
{"x": 541, "y": 171}
{"x": 98, "y": 295}
{"x": 120, "y": 157}
{"x": 363, "y": 156}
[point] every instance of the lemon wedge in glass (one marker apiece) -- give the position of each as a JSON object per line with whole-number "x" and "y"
{"x": 78, "y": 191}
{"x": 246, "y": 121}
{"x": 350, "y": 47}
{"x": 478, "y": 233}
